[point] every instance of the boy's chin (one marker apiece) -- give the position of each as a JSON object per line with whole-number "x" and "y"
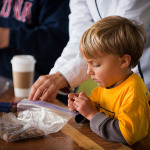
{"x": 104, "y": 86}
{"x": 101, "y": 85}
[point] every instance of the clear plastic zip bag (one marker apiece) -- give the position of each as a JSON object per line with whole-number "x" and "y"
{"x": 11, "y": 129}
{"x": 43, "y": 115}
{"x": 34, "y": 120}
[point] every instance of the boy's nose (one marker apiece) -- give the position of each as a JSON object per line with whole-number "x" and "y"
{"x": 89, "y": 71}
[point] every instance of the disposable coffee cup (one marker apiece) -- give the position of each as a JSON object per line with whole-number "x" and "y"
{"x": 23, "y": 73}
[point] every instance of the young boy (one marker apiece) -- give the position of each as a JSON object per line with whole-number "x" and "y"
{"x": 118, "y": 110}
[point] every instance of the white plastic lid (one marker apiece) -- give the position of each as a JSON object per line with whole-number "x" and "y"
{"x": 23, "y": 63}
{"x": 23, "y": 59}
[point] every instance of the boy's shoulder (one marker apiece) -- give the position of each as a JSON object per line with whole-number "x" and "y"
{"x": 136, "y": 86}
{"x": 135, "y": 81}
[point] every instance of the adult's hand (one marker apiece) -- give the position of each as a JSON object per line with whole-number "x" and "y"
{"x": 46, "y": 87}
{"x": 4, "y": 37}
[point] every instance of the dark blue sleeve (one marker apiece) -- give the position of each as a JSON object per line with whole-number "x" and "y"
{"x": 46, "y": 37}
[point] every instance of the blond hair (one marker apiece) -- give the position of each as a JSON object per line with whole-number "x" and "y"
{"x": 114, "y": 35}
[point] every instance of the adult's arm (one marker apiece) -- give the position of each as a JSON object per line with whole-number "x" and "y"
{"x": 71, "y": 65}
{"x": 74, "y": 66}
{"x": 75, "y": 69}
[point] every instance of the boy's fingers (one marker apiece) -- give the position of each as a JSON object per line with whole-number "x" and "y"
{"x": 70, "y": 102}
{"x": 82, "y": 95}
{"x": 71, "y": 105}
{"x": 71, "y": 109}
{"x": 73, "y": 96}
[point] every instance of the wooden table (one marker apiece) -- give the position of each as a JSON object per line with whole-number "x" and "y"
{"x": 71, "y": 137}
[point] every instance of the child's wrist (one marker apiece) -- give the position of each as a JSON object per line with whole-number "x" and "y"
{"x": 91, "y": 115}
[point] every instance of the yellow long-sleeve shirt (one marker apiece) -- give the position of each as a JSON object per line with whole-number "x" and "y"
{"x": 128, "y": 103}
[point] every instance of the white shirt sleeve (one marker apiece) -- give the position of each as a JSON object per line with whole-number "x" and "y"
{"x": 70, "y": 64}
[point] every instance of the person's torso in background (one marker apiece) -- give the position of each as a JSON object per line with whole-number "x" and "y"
{"x": 25, "y": 14}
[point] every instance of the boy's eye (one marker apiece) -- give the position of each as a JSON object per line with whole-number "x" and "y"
{"x": 96, "y": 65}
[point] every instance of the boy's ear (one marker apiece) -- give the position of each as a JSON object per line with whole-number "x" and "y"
{"x": 125, "y": 61}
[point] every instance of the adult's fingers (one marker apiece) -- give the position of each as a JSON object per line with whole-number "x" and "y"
{"x": 35, "y": 87}
{"x": 42, "y": 90}
{"x": 47, "y": 86}
{"x": 50, "y": 94}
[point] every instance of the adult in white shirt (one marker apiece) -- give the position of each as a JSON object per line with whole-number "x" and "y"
{"x": 70, "y": 68}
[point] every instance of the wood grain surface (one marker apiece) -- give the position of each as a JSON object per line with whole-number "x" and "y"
{"x": 71, "y": 137}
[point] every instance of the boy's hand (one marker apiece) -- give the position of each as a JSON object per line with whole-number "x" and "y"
{"x": 85, "y": 106}
{"x": 71, "y": 99}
